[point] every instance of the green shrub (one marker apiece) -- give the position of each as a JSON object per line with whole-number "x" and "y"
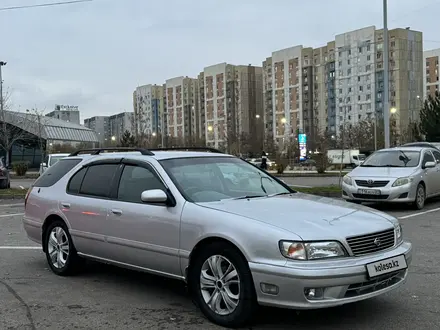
{"x": 20, "y": 168}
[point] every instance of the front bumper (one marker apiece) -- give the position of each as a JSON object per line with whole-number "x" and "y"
{"x": 402, "y": 194}
{"x": 342, "y": 281}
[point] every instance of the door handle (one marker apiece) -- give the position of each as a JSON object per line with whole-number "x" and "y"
{"x": 117, "y": 212}
{"x": 65, "y": 205}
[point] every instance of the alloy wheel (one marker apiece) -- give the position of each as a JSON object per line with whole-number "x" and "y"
{"x": 220, "y": 285}
{"x": 420, "y": 199}
{"x": 58, "y": 247}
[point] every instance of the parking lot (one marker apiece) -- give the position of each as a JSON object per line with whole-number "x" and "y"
{"x": 104, "y": 297}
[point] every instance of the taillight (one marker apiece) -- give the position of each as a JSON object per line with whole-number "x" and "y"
{"x": 27, "y": 195}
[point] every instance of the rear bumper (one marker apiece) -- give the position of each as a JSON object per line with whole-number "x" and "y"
{"x": 33, "y": 230}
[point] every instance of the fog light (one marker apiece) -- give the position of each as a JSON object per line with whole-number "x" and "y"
{"x": 314, "y": 293}
{"x": 269, "y": 288}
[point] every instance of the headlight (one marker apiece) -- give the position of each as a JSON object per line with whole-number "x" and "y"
{"x": 402, "y": 181}
{"x": 311, "y": 250}
{"x": 347, "y": 180}
{"x": 399, "y": 236}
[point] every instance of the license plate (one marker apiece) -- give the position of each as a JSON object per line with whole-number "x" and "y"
{"x": 369, "y": 191}
{"x": 386, "y": 266}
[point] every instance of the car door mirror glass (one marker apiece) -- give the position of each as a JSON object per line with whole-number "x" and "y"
{"x": 154, "y": 196}
{"x": 429, "y": 165}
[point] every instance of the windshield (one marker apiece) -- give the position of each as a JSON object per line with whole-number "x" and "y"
{"x": 55, "y": 159}
{"x": 393, "y": 158}
{"x": 209, "y": 179}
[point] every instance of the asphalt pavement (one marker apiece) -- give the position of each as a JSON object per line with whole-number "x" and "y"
{"x": 105, "y": 297}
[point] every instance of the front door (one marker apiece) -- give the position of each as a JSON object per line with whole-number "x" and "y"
{"x": 140, "y": 234}
{"x": 431, "y": 175}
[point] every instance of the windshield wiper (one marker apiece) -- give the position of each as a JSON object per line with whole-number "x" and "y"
{"x": 282, "y": 193}
{"x": 261, "y": 183}
{"x": 389, "y": 165}
{"x": 248, "y": 197}
{"x": 362, "y": 165}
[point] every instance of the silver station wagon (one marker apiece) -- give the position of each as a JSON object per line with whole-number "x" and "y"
{"x": 236, "y": 235}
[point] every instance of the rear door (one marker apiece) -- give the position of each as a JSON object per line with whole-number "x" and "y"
{"x": 86, "y": 205}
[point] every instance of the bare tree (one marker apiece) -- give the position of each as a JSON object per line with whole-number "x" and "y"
{"x": 14, "y": 126}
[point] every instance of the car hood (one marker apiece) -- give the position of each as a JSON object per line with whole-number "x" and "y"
{"x": 308, "y": 216}
{"x": 386, "y": 172}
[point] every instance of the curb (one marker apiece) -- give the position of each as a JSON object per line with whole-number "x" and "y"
{"x": 330, "y": 194}
{"x": 27, "y": 176}
{"x": 6, "y": 197}
{"x": 308, "y": 175}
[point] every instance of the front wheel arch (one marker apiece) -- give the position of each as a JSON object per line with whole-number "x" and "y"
{"x": 205, "y": 242}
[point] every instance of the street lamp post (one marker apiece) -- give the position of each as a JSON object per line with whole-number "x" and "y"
{"x": 2, "y": 63}
{"x": 386, "y": 111}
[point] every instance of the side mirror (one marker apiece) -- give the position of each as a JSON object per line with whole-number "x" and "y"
{"x": 429, "y": 165}
{"x": 154, "y": 196}
{"x": 44, "y": 164}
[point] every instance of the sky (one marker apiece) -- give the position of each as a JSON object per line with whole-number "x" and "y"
{"x": 94, "y": 54}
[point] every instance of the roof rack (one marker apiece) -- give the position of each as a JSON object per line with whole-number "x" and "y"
{"x": 207, "y": 149}
{"x": 97, "y": 151}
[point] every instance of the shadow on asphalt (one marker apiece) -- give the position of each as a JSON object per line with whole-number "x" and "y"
{"x": 347, "y": 316}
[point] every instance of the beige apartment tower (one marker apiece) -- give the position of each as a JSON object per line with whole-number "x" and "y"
{"x": 232, "y": 101}
{"x": 182, "y": 118}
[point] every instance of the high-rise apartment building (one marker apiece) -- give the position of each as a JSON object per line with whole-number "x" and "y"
{"x": 430, "y": 73}
{"x": 149, "y": 109}
{"x": 309, "y": 90}
{"x": 288, "y": 91}
{"x": 183, "y": 119}
{"x": 360, "y": 75}
{"x": 100, "y": 125}
{"x": 232, "y": 101}
{"x": 120, "y": 123}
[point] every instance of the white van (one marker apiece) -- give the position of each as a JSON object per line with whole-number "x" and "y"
{"x": 50, "y": 160}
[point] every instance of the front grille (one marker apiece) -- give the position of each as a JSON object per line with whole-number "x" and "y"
{"x": 371, "y": 243}
{"x": 373, "y": 184}
{"x": 374, "y": 197}
{"x": 376, "y": 284}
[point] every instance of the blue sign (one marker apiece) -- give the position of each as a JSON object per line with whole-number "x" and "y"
{"x": 302, "y": 138}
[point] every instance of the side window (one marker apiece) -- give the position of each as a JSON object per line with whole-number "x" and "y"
{"x": 56, "y": 172}
{"x": 97, "y": 181}
{"x": 427, "y": 157}
{"x": 134, "y": 181}
{"x": 75, "y": 182}
{"x": 436, "y": 156}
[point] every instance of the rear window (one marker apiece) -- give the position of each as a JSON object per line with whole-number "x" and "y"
{"x": 56, "y": 172}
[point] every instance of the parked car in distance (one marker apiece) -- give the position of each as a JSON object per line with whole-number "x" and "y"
{"x": 257, "y": 162}
{"x": 435, "y": 145}
{"x": 396, "y": 175}
{"x": 5, "y": 181}
{"x": 236, "y": 243}
{"x": 50, "y": 160}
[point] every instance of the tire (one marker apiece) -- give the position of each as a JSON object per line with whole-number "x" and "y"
{"x": 4, "y": 184}
{"x": 58, "y": 243}
{"x": 243, "y": 305}
{"x": 419, "y": 202}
